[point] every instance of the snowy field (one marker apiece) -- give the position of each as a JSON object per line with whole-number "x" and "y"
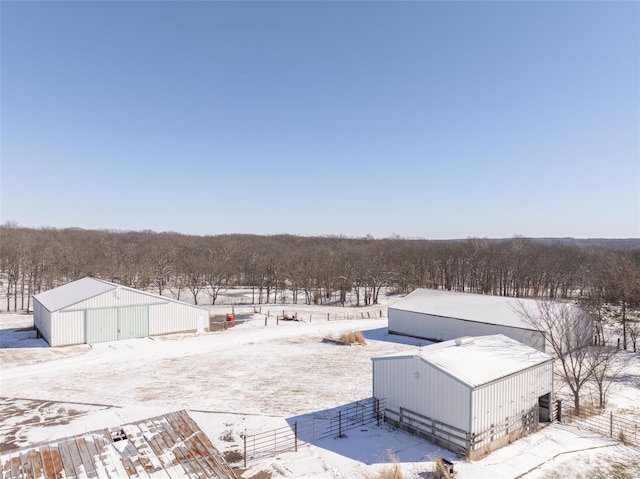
{"x": 252, "y": 378}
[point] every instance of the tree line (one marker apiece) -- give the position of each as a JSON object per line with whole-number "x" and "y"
{"x": 320, "y": 270}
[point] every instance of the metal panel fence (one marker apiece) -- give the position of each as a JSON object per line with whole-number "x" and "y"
{"x": 274, "y": 315}
{"x": 457, "y": 440}
{"x": 606, "y": 424}
{"x": 333, "y": 423}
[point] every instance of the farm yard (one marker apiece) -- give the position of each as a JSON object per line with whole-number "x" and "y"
{"x": 326, "y": 240}
{"x": 260, "y": 375}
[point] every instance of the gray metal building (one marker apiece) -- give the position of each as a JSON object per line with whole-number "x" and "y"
{"x": 444, "y": 315}
{"x": 469, "y": 395}
{"x": 91, "y": 310}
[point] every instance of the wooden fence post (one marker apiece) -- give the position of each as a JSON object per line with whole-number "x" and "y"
{"x": 245, "y": 448}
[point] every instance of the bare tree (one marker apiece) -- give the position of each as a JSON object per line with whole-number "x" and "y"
{"x": 219, "y": 256}
{"x": 569, "y": 332}
{"x": 605, "y": 363}
{"x": 633, "y": 327}
{"x": 162, "y": 254}
{"x": 622, "y": 286}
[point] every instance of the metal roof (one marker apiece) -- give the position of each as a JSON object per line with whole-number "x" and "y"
{"x": 169, "y": 447}
{"x": 479, "y": 360}
{"x": 71, "y": 293}
{"x": 481, "y": 308}
{"x": 80, "y": 290}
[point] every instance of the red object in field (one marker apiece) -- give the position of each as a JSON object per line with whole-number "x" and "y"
{"x": 231, "y": 317}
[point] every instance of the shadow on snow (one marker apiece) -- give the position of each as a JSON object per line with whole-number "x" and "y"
{"x": 20, "y": 338}
{"x": 367, "y": 439}
{"x": 382, "y": 334}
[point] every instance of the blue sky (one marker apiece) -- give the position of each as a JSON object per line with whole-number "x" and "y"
{"x": 420, "y": 119}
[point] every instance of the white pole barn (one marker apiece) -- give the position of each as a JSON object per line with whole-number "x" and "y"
{"x": 91, "y": 310}
{"x": 444, "y": 315}
{"x": 469, "y": 395}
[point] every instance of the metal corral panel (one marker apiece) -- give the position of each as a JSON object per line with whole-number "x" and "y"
{"x": 412, "y": 383}
{"x": 101, "y": 325}
{"x": 441, "y": 328}
{"x": 118, "y": 297}
{"x": 175, "y": 317}
{"x": 67, "y": 328}
{"x": 133, "y": 322}
{"x": 509, "y": 397}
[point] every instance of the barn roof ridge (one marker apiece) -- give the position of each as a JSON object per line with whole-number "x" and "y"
{"x": 484, "y": 360}
{"x": 88, "y": 287}
{"x": 474, "y": 307}
{"x": 72, "y": 293}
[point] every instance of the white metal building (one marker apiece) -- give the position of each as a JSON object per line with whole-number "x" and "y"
{"x": 91, "y": 310}
{"x": 443, "y": 315}
{"x": 470, "y": 395}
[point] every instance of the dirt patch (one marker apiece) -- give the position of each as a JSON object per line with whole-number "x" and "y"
{"x": 18, "y": 416}
{"x": 259, "y": 475}
{"x": 233, "y": 457}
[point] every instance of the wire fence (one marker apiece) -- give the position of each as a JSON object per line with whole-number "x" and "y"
{"x": 606, "y": 424}
{"x": 332, "y": 423}
{"x": 292, "y": 314}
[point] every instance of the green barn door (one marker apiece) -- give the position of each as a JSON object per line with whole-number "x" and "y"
{"x": 101, "y": 325}
{"x": 134, "y": 322}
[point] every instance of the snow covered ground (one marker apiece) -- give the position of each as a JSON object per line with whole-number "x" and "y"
{"x": 252, "y": 378}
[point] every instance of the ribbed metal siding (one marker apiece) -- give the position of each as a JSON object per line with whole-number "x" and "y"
{"x": 42, "y": 320}
{"x": 442, "y": 329}
{"x": 174, "y": 317}
{"x": 125, "y": 314}
{"x": 429, "y": 392}
{"x": 164, "y": 316}
{"x": 133, "y": 322}
{"x": 101, "y": 325}
{"x": 67, "y": 328}
{"x": 117, "y": 298}
{"x": 498, "y": 401}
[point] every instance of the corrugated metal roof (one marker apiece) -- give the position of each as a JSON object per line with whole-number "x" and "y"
{"x": 71, "y": 293}
{"x": 482, "y": 308}
{"x": 169, "y": 447}
{"x": 482, "y": 361}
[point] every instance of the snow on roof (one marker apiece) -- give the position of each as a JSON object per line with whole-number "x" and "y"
{"x": 169, "y": 447}
{"x": 481, "y": 308}
{"x": 72, "y": 293}
{"x": 479, "y": 360}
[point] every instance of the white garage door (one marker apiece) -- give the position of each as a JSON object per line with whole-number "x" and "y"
{"x": 101, "y": 325}
{"x": 112, "y": 324}
{"x": 134, "y": 322}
